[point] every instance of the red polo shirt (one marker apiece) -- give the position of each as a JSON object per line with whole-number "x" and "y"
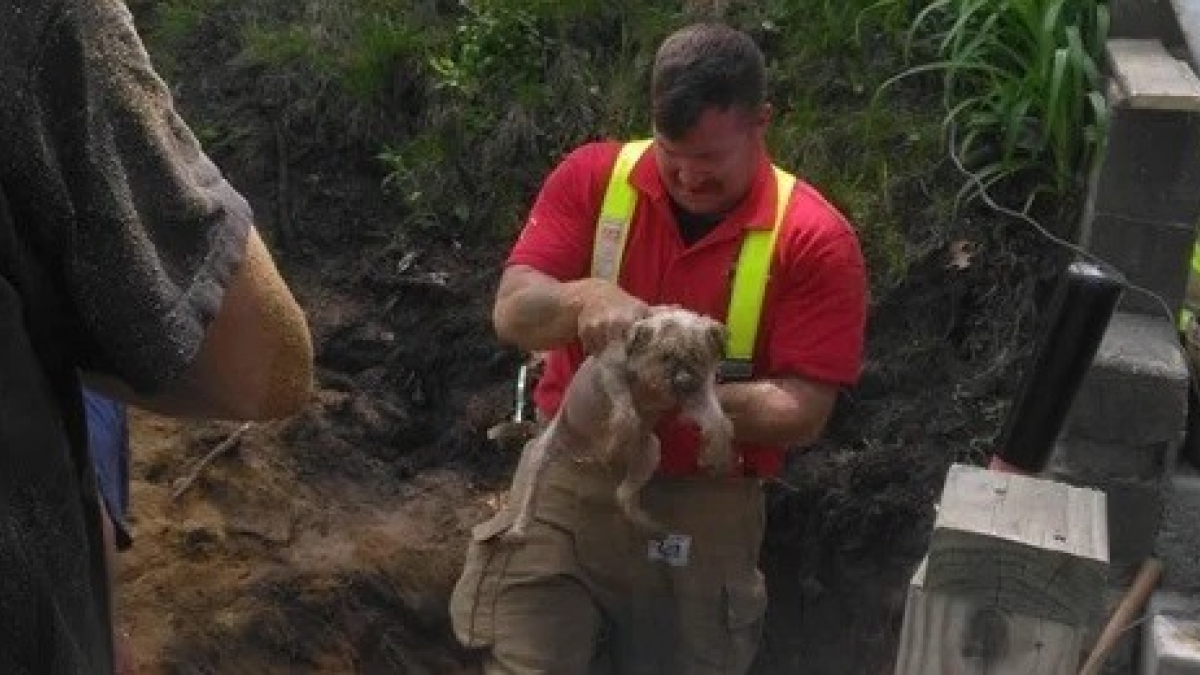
{"x": 815, "y": 306}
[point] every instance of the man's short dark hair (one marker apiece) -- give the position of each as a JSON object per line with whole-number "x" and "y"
{"x": 702, "y": 66}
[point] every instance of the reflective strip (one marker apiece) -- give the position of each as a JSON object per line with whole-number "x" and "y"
{"x": 751, "y": 274}
{"x": 754, "y": 259}
{"x": 616, "y": 212}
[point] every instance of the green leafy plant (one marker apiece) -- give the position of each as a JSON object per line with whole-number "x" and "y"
{"x": 465, "y": 105}
{"x": 876, "y": 163}
{"x": 494, "y": 39}
{"x": 1023, "y": 92}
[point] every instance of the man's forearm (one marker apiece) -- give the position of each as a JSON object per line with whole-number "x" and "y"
{"x": 538, "y": 316}
{"x": 535, "y": 311}
{"x": 785, "y": 411}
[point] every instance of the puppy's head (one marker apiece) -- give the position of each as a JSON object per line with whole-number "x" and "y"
{"x": 675, "y": 352}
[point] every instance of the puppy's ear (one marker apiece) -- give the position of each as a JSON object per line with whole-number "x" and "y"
{"x": 639, "y": 337}
{"x": 717, "y": 335}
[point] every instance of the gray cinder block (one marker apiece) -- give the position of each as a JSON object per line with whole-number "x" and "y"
{"x": 1136, "y": 391}
{"x": 1153, "y": 255}
{"x": 1178, "y": 542}
{"x": 1097, "y": 462}
{"x": 1151, "y": 166}
{"x": 1171, "y": 635}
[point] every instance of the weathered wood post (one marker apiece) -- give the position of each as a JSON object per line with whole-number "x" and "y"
{"x": 1014, "y": 580}
{"x": 1016, "y": 573}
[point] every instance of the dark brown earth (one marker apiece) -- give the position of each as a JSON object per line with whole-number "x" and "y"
{"x": 328, "y": 543}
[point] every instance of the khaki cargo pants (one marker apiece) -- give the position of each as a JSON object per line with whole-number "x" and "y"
{"x": 587, "y": 593}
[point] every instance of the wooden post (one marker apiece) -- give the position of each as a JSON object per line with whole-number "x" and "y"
{"x": 1014, "y": 581}
{"x": 951, "y": 635}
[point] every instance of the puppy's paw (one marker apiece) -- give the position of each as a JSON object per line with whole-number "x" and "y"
{"x": 627, "y": 499}
{"x": 717, "y": 455}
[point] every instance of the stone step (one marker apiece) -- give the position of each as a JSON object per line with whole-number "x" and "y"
{"x": 1148, "y": 77}
{"x": 1171, "y": 635}
{"x": 1099, "y": 463}
{"x": 1144, "y": 19}
{"x": 1136, "y": 392}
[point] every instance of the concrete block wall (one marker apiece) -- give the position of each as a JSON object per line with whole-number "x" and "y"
{"x": 1124, "y": 431}
{"x": 1171, "y": 635}
{"x": 1178, "y": 540}
{"x": 1129, "y": 420}
{"x": 1143, "y": 201}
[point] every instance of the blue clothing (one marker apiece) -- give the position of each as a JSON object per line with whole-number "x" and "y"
{"x": 108, "y": 442}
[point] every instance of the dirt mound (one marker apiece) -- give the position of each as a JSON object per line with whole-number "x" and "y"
{"x": 329, "y": 543}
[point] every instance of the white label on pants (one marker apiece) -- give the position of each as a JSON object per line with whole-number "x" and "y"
{"x": 672, "y": 549}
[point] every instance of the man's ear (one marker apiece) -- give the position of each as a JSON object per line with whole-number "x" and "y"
{"x": 763, "y": 116}
{"x": 717, "y": 336}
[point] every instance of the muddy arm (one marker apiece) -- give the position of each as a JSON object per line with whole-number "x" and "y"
{"x": 790, "y": 411}
{"x": 535, "y": 311}
{"x": 256, "y": 360}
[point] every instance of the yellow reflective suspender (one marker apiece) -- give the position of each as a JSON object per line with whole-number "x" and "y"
{"x": 750, "y": 276}
{"x": 753, "y": 264}
{"x": 612, "y": 228}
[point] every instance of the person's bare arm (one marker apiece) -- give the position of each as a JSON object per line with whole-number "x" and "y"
{"x": 256, "y": 359}
{"x": 788, "y": 411}
{"x": 535, "y": 311}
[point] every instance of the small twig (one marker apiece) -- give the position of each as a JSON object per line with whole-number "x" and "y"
{"x": 180, "y": 486}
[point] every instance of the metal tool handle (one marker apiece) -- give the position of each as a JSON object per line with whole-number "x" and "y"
{"x": 1079, "y": 314}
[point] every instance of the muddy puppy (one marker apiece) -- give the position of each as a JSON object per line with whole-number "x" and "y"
{"x": 668, "y": 360}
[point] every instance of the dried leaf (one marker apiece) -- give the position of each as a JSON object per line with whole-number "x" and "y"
{"x": 962, "y": 251}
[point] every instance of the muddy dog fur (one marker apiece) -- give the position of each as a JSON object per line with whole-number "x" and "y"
{"x": 669, "y": 359}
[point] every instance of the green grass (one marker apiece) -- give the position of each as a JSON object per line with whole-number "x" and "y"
{"x": 507, "y": 86}
{"x": 1021, "y": 91}
{"x": 467, "y": 105}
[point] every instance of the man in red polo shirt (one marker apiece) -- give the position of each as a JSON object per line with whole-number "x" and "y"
{"x": 586, "y": 591}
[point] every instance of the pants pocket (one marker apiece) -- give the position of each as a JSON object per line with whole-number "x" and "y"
{"x": 722, "y": 623}
{"x": 473, "y": 602}
{"x": 745, "y": 601}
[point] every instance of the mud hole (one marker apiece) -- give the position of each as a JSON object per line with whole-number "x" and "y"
{"x": 329, "y": 543}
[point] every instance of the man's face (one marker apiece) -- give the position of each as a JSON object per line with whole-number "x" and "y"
{"x": 710, "y": 168}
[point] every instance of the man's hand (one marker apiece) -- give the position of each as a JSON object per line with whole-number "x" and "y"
{"x": 606, "y": 314}
{"x": 537, "y": 312}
